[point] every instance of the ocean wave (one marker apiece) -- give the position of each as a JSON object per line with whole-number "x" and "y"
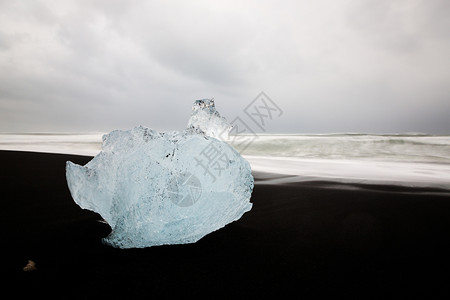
{"x": 418, "y": 159}
{"x": 417, "y": 148}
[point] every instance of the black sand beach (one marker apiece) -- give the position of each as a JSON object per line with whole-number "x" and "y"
{"x": 302, "y": 240}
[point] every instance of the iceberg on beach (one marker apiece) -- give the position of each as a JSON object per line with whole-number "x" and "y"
{"x": 156, "y": 188}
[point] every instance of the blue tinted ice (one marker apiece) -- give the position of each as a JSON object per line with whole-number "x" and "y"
{"x": 156, "y": 188}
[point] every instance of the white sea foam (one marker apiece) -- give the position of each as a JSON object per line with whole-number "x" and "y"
{"x": 356, "y": 171}
{"x": 412, "y": 160}
{"x": 71, "y": 143}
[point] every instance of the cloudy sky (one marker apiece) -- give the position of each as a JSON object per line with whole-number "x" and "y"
{"x": 329, "y": 65}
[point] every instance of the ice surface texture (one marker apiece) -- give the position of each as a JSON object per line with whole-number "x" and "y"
{"x": 156, "y": 188}
{"x": 205, "y": 118}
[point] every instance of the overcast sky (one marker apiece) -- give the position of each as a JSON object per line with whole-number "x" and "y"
{"x": 329, "y": 65}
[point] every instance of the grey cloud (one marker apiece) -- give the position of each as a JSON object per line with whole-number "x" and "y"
{"x": 330, "y": 65}
{"x": 402, "y": 26}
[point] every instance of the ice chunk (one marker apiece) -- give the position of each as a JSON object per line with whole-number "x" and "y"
{"x": 205, "y": 118}
{"x": 156, "y": 188}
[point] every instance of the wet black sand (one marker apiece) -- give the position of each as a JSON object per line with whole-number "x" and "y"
{"x": 303, "y": 240}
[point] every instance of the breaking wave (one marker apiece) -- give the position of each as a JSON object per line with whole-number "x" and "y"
{"x": 411, "y": 160}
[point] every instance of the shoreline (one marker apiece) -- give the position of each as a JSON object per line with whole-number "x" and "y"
{"x": 307, "y": 238}
{"x": 264, "y": 177}
{"x": 418, "y": 161}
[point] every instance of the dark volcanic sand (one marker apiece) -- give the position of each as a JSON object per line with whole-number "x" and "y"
{"x": 309, "y": 239}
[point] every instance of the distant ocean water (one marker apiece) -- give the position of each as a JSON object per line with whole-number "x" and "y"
{"x": 411, "y": 160}
{"x": 407, "y": 160}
